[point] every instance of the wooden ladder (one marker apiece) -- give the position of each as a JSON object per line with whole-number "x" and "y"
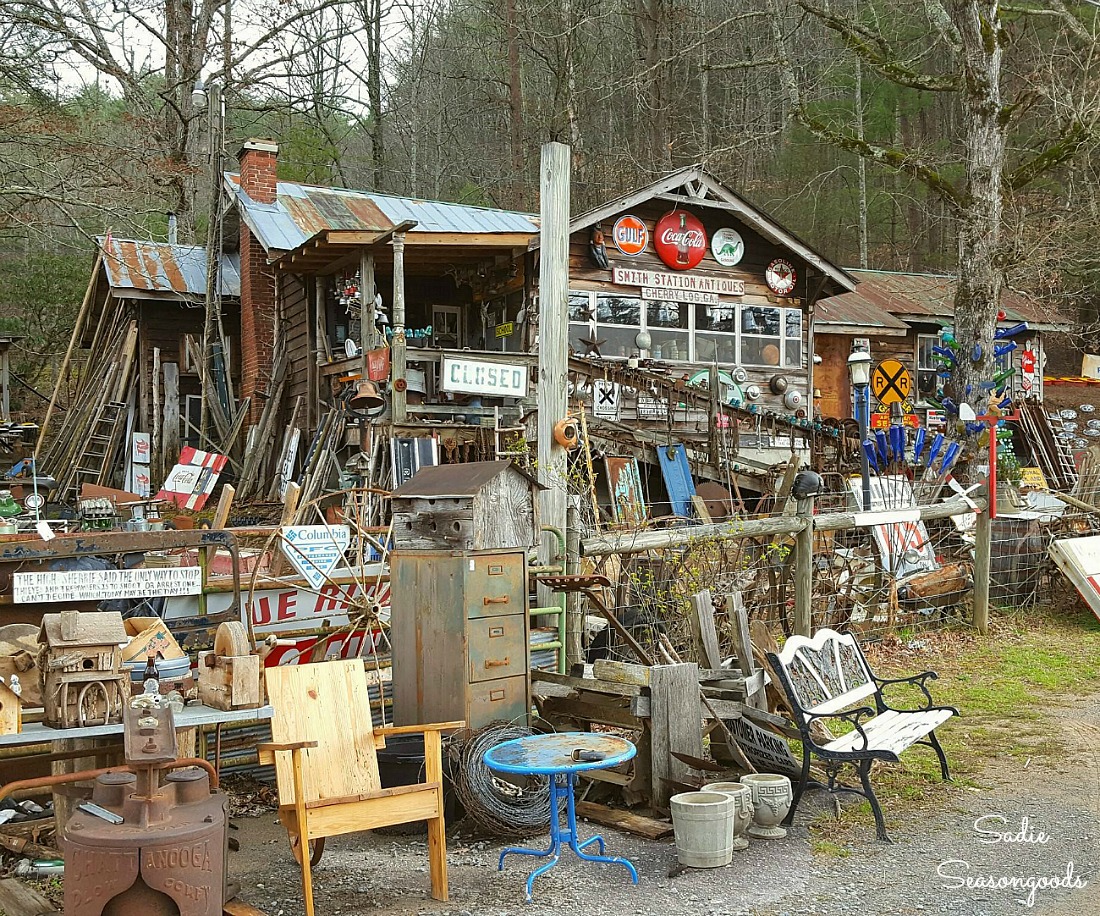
{"x": 95, "y": 460}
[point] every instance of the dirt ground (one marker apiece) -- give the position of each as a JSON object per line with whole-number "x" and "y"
{"x": 954, "y": 836}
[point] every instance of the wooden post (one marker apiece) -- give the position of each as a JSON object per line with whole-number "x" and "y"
{"x": 397, "y": 348}
{"x": 368, "y": 315}
{"x": 553, "y": 340}
{"x": 170, "y": 430}
{"x": 983, "y": 537}
{"x": 803, "y": 568}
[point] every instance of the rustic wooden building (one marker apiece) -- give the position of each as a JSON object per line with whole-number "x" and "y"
{"x": 901, "y": 315}
{"x": 142, "y": 330}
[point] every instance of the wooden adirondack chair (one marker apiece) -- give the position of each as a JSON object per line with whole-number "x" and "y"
{"x": 324, "y": 748}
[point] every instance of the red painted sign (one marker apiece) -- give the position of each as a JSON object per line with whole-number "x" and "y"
{"x": 680, "y": 240}
{"x": 630, "y": 235}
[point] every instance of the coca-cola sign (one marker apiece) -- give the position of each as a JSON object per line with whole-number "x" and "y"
{"x": 680, "y": 240}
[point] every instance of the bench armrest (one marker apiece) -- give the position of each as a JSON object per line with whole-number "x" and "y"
{"x": 852, "y": 716}
{"x": 387, "y": 730}
{"x": 917, "y": 680}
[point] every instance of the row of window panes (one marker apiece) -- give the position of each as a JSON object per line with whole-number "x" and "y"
{"x": 752, "y": 335}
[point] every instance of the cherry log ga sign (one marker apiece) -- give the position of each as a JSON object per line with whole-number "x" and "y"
{"x": 478, "y": 376}
{"x": 657, "y": 280}
{"x": 680, "y": 240}
{"x": 891, "y": 382}
{"x": 630, "y": 235}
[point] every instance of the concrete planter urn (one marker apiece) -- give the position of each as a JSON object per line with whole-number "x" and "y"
{"x": 771, "y": 800}
{"x": 742, "y": 809}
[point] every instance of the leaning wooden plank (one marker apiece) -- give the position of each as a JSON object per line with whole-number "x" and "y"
{"x": 675, "y": 724}
{"x": 17, "y": 899}
{"x": 706, "y": 635}
{"x": 646, "y": 827}
{"x": 586, "y": 683}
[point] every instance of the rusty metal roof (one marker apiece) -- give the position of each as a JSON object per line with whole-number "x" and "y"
{"x": 931, "y": 297}
{"x": 301, "y": 211}
{"x": 456, "y": 480}
{"x": 851, "y": 314}
{"x": 157, "y": 267}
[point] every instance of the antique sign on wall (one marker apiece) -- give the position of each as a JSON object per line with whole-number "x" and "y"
{"x": 891, "y": 382}
{"x": 630, "y": 235}
{"x": 727, "y": 247}
{"x": 606, "y": 398}
{"x": 662, "y": 282}
{"x": 478, "y": 376}
{"x": 94, "y": 584}
{"x": 680, "y": 240}
{"x": 679, "y": 295}
{"x": 781, "y": 277}
{"x": 648, "y": 408}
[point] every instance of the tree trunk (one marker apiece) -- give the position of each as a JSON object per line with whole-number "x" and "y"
{"x": 515, "y": 105}
{"x": 981, "y": 266}
{"x": 373, "y": 10}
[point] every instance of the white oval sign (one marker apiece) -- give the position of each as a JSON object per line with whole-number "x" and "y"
{"x": 727, "y": 246}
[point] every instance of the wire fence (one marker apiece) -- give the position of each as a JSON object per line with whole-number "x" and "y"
{"x": 897, "y": 577}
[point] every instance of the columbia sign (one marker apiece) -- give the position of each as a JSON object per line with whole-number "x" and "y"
{"x": 680, "y": 240}
{"x": 315, "y": 549}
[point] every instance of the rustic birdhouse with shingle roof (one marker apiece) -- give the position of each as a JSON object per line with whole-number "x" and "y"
{"x": 80, "y": 657}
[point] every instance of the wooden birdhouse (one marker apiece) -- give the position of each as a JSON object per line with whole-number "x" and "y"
{"x": 11, "y": 711}
{"x": 480, "y": 505}
{"x": 80, "y": 657}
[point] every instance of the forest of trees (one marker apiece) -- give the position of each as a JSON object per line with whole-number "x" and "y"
{"x": 900, "y": 136}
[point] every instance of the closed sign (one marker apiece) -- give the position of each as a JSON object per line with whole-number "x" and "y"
{"x": 477, "y": 376}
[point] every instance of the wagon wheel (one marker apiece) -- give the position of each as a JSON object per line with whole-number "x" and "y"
{"x": 354, "y": 586}
{"x": 316, "y": 849}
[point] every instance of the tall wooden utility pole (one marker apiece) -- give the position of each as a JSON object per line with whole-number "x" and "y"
{"x": 553, "y": 346}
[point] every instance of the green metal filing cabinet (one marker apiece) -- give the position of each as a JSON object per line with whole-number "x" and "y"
{"x": 460, "y": 629}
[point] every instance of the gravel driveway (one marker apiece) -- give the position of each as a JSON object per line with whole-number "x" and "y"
{"x": 953, "y": 836}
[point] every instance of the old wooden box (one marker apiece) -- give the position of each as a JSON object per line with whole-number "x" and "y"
{"x": 481, "y": 505}
{"x": 460, "y": 629}
{"x": 80, "y": 660}
{"x": 229, "y": 682}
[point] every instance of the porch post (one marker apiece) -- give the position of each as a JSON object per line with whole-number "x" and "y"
{"x": 397, "y": 348}
{"x": 553, "y": 347}
{"x": 367, "y": 313}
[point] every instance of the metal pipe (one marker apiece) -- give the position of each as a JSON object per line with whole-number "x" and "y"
{"x": 44, "y": 782}
{"x": 559, "y": 534}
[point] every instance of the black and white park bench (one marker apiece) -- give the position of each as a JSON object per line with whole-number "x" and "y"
{"x": 827, "y": 679}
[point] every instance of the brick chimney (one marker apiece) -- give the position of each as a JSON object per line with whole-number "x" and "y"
{"x": 257, "y": 160}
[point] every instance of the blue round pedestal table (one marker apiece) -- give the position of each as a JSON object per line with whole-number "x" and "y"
{"x": 561, "y": 757}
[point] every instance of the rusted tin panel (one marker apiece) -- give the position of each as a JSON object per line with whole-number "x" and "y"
{"x": 305, "y": 215}
{"x": 627, "y": 499}
{"x": 159, "y": 267}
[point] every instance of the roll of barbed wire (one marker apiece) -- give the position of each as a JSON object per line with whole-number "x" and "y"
{"x": 499, "y": 806}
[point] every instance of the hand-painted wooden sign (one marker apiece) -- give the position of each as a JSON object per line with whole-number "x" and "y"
{"x": 476, "y": 376}
{"x": 659, "y": 280}
{"x": 94, "y": 584}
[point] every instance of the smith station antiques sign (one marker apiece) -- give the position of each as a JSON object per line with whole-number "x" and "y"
{"x": 665, "y": 282}
{"x": 478, "y": 376}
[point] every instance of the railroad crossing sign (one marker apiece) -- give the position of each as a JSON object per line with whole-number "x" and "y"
{"x": 605, "y": 399}
{"x": 891, "y": 382}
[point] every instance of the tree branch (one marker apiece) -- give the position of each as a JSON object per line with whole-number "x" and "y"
{"x": 873, "y": 49}
{"x": 1065, "y": 147}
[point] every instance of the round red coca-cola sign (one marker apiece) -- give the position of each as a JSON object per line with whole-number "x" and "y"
{"x": 680, "y": 240}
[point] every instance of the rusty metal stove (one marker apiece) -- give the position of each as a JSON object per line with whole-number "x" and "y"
{"x": 168, "y": 855}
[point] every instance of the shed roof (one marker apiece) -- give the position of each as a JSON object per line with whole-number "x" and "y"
{"x": 851, "y": 314}
{"x": 157, "y": 267}
{"x": 455, "y": 480}
{"x": 302, "y": 211}
{"x": 93, "y": 628}
{"x": 930, "y": 297}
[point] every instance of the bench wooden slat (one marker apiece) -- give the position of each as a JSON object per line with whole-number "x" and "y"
{"x": 891, "y": 731}
{"x": 842, "y": 702}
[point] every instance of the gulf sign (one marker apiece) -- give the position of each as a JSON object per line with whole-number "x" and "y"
{"x": 630, "y": 235}
{"x": 680, "y": 240}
